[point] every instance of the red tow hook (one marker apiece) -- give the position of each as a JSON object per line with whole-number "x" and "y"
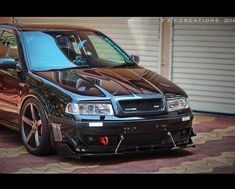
{"x": 104, "y": 140}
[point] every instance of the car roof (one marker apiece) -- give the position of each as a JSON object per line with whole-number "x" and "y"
{"x": 24, "y": 26}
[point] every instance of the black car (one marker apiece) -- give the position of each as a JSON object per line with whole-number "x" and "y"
{"x": 73, "y": 90}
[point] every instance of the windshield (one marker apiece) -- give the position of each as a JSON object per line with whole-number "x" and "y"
{"x": 49, "y": 50}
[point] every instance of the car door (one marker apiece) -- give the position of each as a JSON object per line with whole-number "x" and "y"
{"x": 9, "y": 78}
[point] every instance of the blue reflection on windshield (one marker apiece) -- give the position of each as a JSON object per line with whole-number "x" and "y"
{"x": 43, "y": 52}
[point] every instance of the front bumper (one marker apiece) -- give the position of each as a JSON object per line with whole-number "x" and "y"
{"x": 78, "y": 139}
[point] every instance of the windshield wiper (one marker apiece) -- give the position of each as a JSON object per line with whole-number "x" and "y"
{"x": 123, "y": 65}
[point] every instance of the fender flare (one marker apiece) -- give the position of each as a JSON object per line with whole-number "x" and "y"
{"x": 37, "y": 97}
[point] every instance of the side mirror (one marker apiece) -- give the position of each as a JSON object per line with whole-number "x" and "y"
{"x": 9, "y": 63}
{"x": 135, "y": 58}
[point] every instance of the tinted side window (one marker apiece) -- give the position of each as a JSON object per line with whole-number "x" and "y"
{"x": 8, "y": 46}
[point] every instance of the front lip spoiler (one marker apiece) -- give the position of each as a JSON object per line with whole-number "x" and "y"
{"x": 135, "y": 152}
{"x": 71, "y": 154}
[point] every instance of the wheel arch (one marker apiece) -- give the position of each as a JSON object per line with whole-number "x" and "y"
{"x": 38, "y": 98}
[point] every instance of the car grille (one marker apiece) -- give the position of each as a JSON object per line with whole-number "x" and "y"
{"x": 147, "y": 105}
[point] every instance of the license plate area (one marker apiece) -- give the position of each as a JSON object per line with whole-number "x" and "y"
{"x": 142, "y": 139}
{"x": 144, "y": 129}
{"x": 143, "y": 135}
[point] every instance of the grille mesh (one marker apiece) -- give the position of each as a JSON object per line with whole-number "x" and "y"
{"x": 148, "y": 105}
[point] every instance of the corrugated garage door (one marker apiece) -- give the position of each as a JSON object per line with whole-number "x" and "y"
{"x": 137, "y": 35}
{"x": 203, "y": 63}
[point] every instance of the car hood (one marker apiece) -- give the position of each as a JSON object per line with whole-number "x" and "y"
{"x": 112, "y": 81}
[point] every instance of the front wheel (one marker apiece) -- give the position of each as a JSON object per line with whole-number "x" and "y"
{"x": 34, "y": 128}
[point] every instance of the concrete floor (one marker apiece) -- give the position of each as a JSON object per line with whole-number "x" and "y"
{"x": 214, "y": 153}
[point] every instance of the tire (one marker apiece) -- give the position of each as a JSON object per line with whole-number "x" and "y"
{"x": 34, "y": 128}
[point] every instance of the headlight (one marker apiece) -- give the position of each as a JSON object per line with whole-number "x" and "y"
{"x": 89, "y": 108}
{"x": 177, "y": 103}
